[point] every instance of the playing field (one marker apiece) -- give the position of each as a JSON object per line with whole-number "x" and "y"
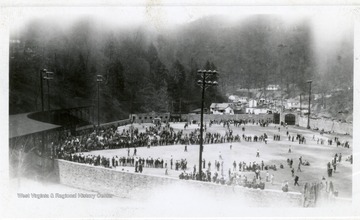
{"x": 274, "y": 152}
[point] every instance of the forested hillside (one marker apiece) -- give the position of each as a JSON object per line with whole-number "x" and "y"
{"x": 146, "y": 69}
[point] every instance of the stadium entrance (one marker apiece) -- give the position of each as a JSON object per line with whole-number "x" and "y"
{"x": 276, "y": 118}
{"x": 290, "y": 119}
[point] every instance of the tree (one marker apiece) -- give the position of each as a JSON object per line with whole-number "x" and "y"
{"x": 116, "y": 79}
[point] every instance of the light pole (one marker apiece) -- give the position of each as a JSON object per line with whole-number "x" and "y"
{"x": 42, "y": 108}
{"x": 308, "y": 123}
{"x": 180, "y": 109}
{"x": 99, "y": 79}
{"x": 49, "y": 76}
{"x": 300, "y": 103}
{"x": 205, "y": 74}
{"x": 281, "y": 46}
{"x": 41, "y": 88}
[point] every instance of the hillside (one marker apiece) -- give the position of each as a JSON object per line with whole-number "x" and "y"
{"x": 146, "y": 70}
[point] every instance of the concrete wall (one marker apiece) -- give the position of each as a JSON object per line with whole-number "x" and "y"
{"x": 149, "y": 117}
{"x": 105, "y": 125}
{"x": 139, "y": 186}
{"x": 208, "y": 117}
{"x": 116, "y": 123}
{"x": 327, "y": 125}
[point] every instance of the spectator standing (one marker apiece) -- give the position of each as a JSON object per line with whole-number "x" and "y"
{"x": 299, "y": 167}
{"x": 296, "y": 181}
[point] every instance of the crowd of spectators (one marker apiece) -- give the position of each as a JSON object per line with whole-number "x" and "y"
{"x": 115, "y": 161}
{"x": 112, "y": 138}
{"x": 72, "y": 147}
{"x": 330, "y": 142}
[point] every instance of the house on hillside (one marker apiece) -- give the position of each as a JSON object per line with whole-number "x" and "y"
{"x": 273, "y": 88}
{"x": 243, "y": 100}
{"x": 252, "y": 103}
{"x": 239, "y": 108}
{"x": 222, "y": 109}
{"x": 257, "y": 110}
{"x": 292, "y": 104}
{"x": 233, "y": 98}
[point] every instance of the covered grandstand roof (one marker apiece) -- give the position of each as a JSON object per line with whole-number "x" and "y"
{"x": 21, "y": 124}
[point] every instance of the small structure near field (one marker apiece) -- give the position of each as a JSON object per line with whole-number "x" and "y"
{"x": 150, "y": 117}
{"x": 257, "y": 110}
{"x": 222, "y": 109}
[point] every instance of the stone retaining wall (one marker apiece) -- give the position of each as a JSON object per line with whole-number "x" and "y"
{"x": 139, "y": 186}
{"x": 327, "y": 125}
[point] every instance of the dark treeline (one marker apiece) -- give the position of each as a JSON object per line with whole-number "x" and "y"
{"x": 146, "y": 70}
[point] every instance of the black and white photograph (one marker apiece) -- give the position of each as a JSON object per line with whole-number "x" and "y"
{"x": 169, "y": 109}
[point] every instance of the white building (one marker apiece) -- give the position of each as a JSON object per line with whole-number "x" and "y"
{"x": 233, "y": 98}
{"x": 252, "y": 103}
{"x": 292, "y": 103}
{"x": 257, "y": 111}
{"x": 273, "y": 87}
{"x": 221, "y": 109}
{"x": 243, "y": 99}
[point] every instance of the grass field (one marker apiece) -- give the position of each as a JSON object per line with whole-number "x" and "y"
{"x": 274, "y": 152}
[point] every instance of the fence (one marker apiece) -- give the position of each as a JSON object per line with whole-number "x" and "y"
{"x": 208, "y": 117}
{"x": 105, "y": 125}
{"x": 327, "y": 125}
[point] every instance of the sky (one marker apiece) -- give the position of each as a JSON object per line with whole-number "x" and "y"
{"x": 163, "y": 17}
{"x": 330, "y": 24}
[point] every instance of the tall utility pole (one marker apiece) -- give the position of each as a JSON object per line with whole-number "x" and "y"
{"x": 300, "y": 104}
{"x": 99, "y": 79}
{"x": 205, "y": 74}
{"x": 42, "y": 109}
{"x": 48, "y": 94}
{"x": 41, "y": 88}
{"x": 308, "y": 123}
{"x": 281, "y": 46}
{"x": 180, "y": 109}
{"x": 49, "y": 76}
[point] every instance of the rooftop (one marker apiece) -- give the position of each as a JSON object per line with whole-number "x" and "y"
{"x": 21, "y": 124}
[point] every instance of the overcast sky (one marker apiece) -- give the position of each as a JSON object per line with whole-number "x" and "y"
{"x": 326, "y": 19}
{"x": 330, "y": 25}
